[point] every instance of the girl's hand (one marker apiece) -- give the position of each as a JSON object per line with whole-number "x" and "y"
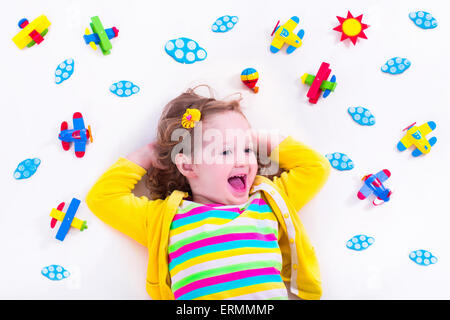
{"x": 145, "y": 156}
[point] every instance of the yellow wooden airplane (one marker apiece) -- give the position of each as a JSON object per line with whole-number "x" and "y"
{"x": 417, "y": 136}
{"x": 285, "y": 34}
{"x": 31, "y": 33}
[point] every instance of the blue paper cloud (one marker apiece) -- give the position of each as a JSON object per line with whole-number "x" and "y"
{"x": 361, "y": 116}
{"x": 396, "y": 65}
{"x": 124, "y": 88}
{"x": 224, "y": 24}
{"x": 185, "y": 50}
{"x": 423, "y": 19}
{"x": 340, "y": 161}
{"x": 64, "y": 71}
{"x": 423, "y": 257}
{"x": 360, "y": 242}
{"x": 26, "y": 168}
{"x": 55, "y": 272}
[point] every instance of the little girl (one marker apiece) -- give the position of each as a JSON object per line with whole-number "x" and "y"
{"x": 214, "y": 228}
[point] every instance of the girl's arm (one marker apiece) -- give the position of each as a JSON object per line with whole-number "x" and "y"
{"x": 111, "y": 198}
{"x": 305, "y": 170}
{"x": 144, "y": 157}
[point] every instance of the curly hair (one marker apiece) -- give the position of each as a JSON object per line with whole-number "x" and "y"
{"x": 164, "y": 178}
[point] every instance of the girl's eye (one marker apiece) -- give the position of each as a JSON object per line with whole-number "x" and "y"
{"x": 228, "y": 152}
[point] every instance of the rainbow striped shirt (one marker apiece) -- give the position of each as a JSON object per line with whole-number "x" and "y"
{"x": 225, "y": 252}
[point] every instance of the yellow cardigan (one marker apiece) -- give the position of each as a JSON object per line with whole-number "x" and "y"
{"x": 148, "y": 222}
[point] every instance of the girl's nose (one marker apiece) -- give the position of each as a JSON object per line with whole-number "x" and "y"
{"x": 242, "y": 159}
{"x": 239, "y": 159}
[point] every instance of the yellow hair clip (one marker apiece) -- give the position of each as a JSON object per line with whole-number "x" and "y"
{"x": 190, "y": 117}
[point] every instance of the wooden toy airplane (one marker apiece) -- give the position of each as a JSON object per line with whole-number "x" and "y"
{"x": 285, "y": 34}
{"x": 31, "y": 33}
{"x": 319, "y": 83}
{"x": 67, "y": 219}
{"x": 417, "y": 136}
{"x": 79, "y": 135}
{"x": 100, "y": 36}
{"x": 374, "y": 184}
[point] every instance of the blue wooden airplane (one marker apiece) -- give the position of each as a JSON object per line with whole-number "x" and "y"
{"x": 79, "y": 135}
{"x": 67, "y": 219}
{"x": 374, "y": 184}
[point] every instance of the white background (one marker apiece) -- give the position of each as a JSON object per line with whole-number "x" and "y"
{"x": 106, "y": 264}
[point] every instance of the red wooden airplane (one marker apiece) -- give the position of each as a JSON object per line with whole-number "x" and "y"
{"x": 319, "y": 83}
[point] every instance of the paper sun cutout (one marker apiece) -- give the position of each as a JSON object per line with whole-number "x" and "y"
{"x": 351, "y": 28}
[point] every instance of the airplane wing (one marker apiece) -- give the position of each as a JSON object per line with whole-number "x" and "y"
{"x": 322, "y": 75}
{"x": 383, "y": 175}
{"x": 80, "y": 147}
{"x": 57, "y": 214}
{"x": 364, "y": 192}
{"x": 67, "y": 221}
{"x": 276, "y": 45}
{"x": 426, "y": 128}
{"x": 78, "y": 122}
{"x": 328, "y": 86}
{"x": 405, "y": 143}
{"x": 291, "y": 23}
{"x": 65, "y": 144}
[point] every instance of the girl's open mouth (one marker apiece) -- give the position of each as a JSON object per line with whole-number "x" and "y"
{"x": 238, "y": 182}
